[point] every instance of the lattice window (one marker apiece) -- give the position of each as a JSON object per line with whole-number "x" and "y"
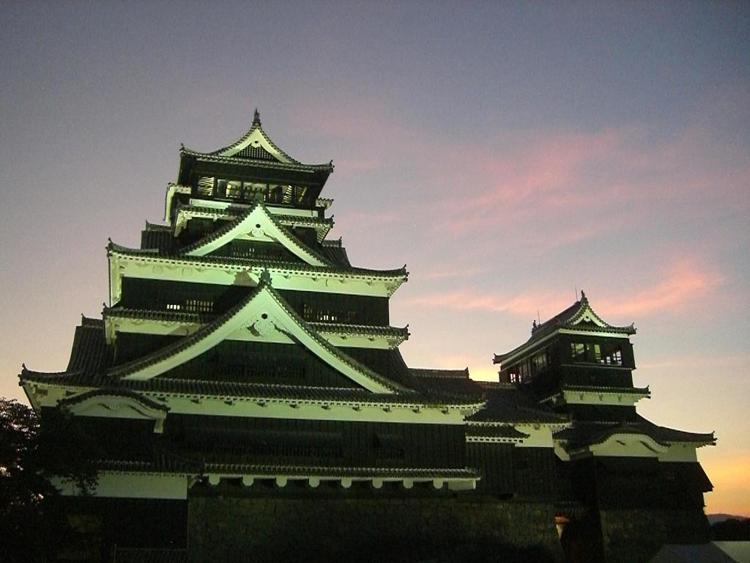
{"x": 586, "y": 352}
{"x": 199, "y": 305}
{"x": 234, "y": 189}
{"x": 206, "y": 185}
{"x": 288, "y": 193}
{"x": 255, "y": 191}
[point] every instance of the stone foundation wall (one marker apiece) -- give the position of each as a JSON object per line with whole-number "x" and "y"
{"x": 222, "y": 528}
{"x": 631, "y": 536}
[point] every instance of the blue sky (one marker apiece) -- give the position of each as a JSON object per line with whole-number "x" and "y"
{"x": 508, "y": 153}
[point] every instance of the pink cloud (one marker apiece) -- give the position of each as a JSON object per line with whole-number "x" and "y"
{"x": 533, "y": 190}
{"x": 684, "y": 282}
{"x": 525, "y": 304}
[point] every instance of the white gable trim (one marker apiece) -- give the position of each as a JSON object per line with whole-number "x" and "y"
{"x": 258, "y": 225}
{"x": 628, "y": 445}
{"x": 264, "y": 315}
{"x": 256, "y": 139}
{"x": 117, "y": 406}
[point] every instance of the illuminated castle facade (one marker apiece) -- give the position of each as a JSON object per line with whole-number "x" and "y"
{"x": 248, "y": 400}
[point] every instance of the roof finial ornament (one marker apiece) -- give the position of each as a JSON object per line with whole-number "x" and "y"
{"x": 583, "y": 296}
{"x": 256, "y": 117}
{"x": 265, "y": 277}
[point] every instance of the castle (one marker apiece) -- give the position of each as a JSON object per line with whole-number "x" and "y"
{"x": 248, "y": 400}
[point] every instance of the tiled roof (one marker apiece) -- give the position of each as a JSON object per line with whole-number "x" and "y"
{"x": 169, "y": 463}
{"x": 159, "y": 240}
{"x": 447, "y": 382}
{"x": 229, "y": 390}
{"x": 569, "y": 318}
{"x": 245, "y": 262}
{"x": 514, "y": 405}
{"x": 606, "y": 389}
{"x": 336, "y": 255}
{"x": 322, "y": 471}
{"x": 89, "y": 351}
{"x": 325, "y": 167}
{"x": 441, "y": 373}
{"x": 361, "y": 329}
{"x": 175, "y": 316}
{"x": 583, "y": 434}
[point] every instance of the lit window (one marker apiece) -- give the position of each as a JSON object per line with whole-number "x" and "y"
{"x": 597, "y": 353}
{"x": 613, "y": 357}
{"x": 206, "y": 185}
{"x": 586, "y": 352}
{"x": 234, "y": 189}
{"x": 255, "y": 192}
{"x": 578, "y": 351}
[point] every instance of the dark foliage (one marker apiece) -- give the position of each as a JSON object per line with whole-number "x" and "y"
{"x": 32, "y": 522}
{"x": 733, "y": 529}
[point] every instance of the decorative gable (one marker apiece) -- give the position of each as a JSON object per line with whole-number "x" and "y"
{"x": 105, "y": 403}
{"x": 266, "y": 317}
{"x": 256, "y": 224}
{"x": 586, "y": 317}
{"x": 256, "y": 145}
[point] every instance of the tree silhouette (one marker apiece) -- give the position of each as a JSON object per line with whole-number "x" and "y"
{"x": 33, "y": 523}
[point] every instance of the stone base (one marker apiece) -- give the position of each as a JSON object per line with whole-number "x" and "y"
{"x": 370, "y": 529}
{"x": 631, "y": 536}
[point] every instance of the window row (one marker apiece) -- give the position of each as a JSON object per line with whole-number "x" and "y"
{"x": 530, "y": 367}
{"x": 250, "y": 191}
{"x": 591, "y": 352}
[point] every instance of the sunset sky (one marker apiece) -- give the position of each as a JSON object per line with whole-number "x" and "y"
{"x": 511, "y": 154}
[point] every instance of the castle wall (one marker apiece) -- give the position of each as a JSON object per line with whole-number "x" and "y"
{"x": 632, "y": 536}
{"x": 315, "y": 528}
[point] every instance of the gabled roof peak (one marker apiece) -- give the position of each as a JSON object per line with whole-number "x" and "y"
{"x": 255, "y": 145}
{"x": 579, "y": 313}
{"x": 579, "y": 317}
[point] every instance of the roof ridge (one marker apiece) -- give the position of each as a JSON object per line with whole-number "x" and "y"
{"x": 324, "y": 167}
{"x": 223, "y": 260}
